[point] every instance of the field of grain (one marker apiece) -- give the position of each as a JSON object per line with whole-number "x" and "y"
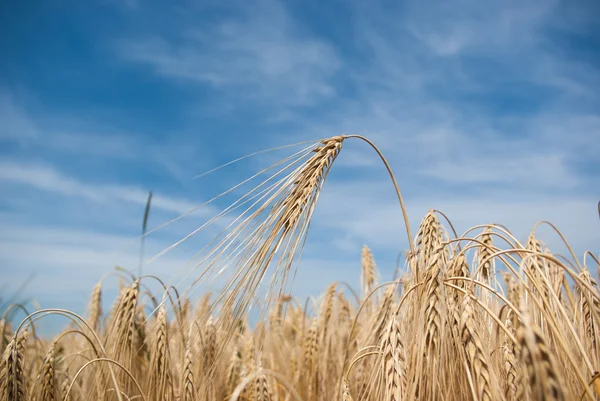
{"x": 471, "y": 316}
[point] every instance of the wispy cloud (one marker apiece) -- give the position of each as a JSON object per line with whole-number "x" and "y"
{"x": 448, "y": 29}
{"x": 64, "y": 137}
{"x": 368, "y": 212}
{"x": 47, "y": 179}
{"x": 67, "y": 262}
{"x": 257, "y": 52}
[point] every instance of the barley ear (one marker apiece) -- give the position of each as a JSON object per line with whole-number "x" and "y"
{"x": 12, "y": 376}
{"x": 540, "y": 366}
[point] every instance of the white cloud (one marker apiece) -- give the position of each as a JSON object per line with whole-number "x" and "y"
{"x": 46, "y": 178}
{"x": 449, "y": 29}
{"x": 541, "y": 171}
{"x": 260, "y": 55}
{"x": 425, "y": 52}
{"x": 180, "y": 154}
{"x": 368, "y": 212}
{"x": 67, "y": 262}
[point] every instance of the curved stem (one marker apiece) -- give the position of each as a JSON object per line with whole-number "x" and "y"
{"x": 118, "y": 392}
{"x": 79, "y": 321}
{"x": 357, "y": 359}
{"x": 562, "y": 237}
{"x": 396, "y": 187}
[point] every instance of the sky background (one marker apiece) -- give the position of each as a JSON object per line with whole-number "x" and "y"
{"x": 487, "y": 110}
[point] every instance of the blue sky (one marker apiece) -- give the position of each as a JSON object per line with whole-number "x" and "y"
{"x": 488, "y": 111}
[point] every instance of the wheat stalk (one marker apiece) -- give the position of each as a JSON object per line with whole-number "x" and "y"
{"x": 96, "y": 307}
{"x": 476, "y": 355}
{"x": 541, "y": 369}
{"x": 369, "y": 273}
{"x": 12, "y": 375}
{"x": 394, "y": 361}
{"x": 47, "y": 376}
{"x": 262, "y": 393}
{"x": 187, "y": 391}
{"x": 160, "y": 375}
{"x": 484, "y": 260}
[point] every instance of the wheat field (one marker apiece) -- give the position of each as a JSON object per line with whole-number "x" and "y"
{"x": 471, "y": 316}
